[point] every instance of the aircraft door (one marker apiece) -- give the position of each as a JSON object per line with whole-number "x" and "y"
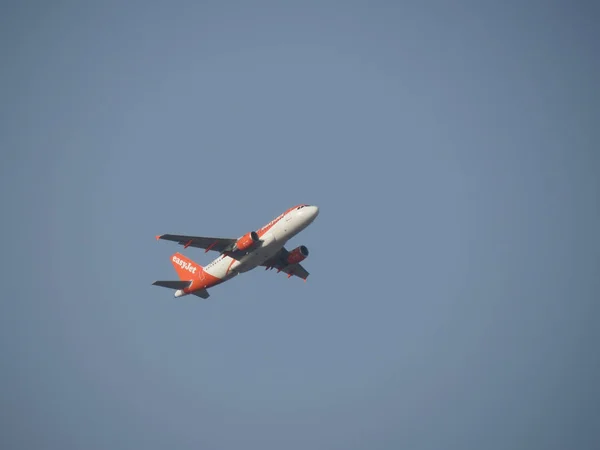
{"x": 287, "y": 222}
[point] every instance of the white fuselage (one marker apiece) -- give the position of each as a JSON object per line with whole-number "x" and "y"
{"x": 275, "y": 236}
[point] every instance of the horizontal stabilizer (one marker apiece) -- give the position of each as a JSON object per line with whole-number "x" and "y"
{"x": 202, "y": 293}
{"x": 173, "y": 284}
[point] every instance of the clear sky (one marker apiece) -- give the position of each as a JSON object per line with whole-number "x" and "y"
{"x": 453, "y": 149}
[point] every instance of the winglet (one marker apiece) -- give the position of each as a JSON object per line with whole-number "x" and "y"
{"x": 158, "y": 236}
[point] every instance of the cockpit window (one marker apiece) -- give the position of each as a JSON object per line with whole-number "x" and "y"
{"x": 301, "y": 206}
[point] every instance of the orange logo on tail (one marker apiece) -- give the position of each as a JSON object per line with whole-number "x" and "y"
{"x": 188, "y": 270}
{"x": 185, "y": 265}
{"x": 185, "y": 268}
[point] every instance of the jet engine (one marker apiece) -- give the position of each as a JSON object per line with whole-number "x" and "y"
{"x": 247, "y": 241}
{"x": 298, "y": 254}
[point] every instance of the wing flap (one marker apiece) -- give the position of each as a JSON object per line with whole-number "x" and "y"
{"x": 296, "y": 270}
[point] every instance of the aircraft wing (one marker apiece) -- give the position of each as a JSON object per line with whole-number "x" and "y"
{"x": 207, "y": 243}
{"x": 278, "y": 261}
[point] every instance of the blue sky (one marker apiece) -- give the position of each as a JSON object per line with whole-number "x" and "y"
{"x": 452, "y": 149}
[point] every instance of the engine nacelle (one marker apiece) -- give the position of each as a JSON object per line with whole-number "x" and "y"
{"x": 297, "y": 255}
{"x": 247, "y": 241}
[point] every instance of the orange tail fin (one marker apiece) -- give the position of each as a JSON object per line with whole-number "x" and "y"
{"x": 186, "y": 268}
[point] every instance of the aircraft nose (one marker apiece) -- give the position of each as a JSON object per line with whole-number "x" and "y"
{"x": 308, "y": 213}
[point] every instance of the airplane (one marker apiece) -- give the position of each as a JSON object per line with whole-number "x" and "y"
{"x": 263, "y": 247}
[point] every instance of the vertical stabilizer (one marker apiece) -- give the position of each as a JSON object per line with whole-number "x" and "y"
{"x": 186, "y": 268}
